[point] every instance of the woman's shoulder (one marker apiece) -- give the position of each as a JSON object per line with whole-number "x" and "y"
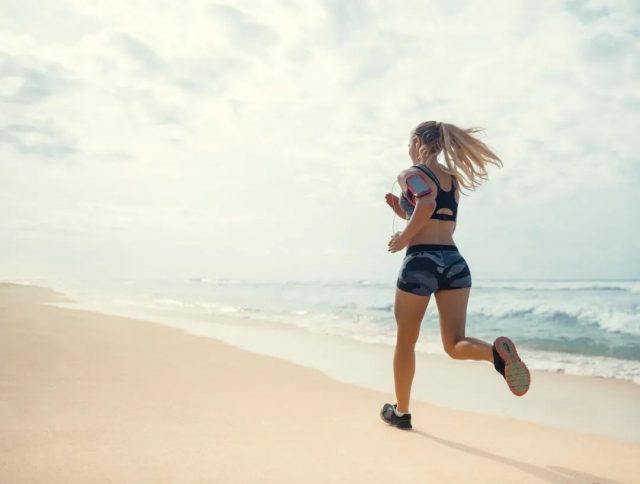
{"x": 404, "y": 174}
{"x": 409, "y": 170}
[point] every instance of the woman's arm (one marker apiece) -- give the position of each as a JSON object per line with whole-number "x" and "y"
{"x": 421, "y": 215}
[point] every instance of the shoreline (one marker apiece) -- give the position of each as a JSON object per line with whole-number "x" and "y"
{"x": 137, "y": 401}
{"x": 353, "y": 317}
{"x": 439, "y": 380}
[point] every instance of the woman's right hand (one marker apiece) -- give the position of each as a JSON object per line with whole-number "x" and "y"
{"x": 393, "y": 201}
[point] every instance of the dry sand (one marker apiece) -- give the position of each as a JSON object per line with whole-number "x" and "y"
{"x": 87, "y": 397}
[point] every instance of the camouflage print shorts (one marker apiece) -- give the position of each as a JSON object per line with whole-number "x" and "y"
{"x": 427, "y": 268}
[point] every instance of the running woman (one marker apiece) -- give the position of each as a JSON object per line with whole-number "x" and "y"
{"x": 433, "y": 264}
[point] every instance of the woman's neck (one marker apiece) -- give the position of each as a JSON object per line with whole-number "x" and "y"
{"x": 431, "y": 162}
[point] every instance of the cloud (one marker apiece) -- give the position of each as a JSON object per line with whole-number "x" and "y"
{"x": 219, "y": 124}
{"x": 140, "y": 52}
{"x": 346, "y": 19}
{"x": 584, "y": 12}
{"x": 37, "y": 139}
{"x": 242, "y": 28}
{"x": 605, "y": 47}
{"x": 29, "y": 80}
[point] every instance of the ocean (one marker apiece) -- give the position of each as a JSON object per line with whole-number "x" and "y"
{"x": 576, "y": 327}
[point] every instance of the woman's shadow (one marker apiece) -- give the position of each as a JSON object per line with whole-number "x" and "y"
{"x": 555, "y": 474}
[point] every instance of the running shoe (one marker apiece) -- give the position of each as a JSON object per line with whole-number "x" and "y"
{"x": 509, "y": 364}
{"x": 389, "y": 415}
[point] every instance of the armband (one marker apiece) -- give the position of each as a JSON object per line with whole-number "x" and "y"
{"x": 417, "y": 185}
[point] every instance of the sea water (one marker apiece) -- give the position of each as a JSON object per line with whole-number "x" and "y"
{"x": 586, "y": 327}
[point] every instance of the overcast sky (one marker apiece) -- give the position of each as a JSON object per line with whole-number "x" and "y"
{"x": 256, "y": 139}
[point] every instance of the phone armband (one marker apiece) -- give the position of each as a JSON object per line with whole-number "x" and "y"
{"x": 417, "y": 185}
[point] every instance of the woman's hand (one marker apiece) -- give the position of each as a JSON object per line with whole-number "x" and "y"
{"x": 393, "y": 201}
{"x": 397, "y": 242}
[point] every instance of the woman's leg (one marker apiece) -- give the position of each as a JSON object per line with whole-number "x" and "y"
{"x": 452, "y": 306}
{"x": 409, "y": 309}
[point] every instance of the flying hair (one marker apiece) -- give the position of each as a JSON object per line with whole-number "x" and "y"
{"x": 466, "y": 157}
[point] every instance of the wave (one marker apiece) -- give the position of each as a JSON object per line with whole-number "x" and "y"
{"x": 632, "y": 286}
{"x": 605, "y": 318}
{"x": 583, "y": 346}
{"x": 573, "y": 364}
{"x": 167, "y": 303}
{"x": 386, "y": 308}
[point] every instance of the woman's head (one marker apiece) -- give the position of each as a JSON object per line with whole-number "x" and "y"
{"x": 424, "y": 141}
{"x": 466, "y": 157}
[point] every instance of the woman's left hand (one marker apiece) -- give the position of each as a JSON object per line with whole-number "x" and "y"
{"x": 397, "y": 242}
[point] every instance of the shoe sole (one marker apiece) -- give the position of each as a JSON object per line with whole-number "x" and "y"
{"x": 516, "y": 372}
{"x": 401, "y": 425}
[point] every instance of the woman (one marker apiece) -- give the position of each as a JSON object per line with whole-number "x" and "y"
{"x": 433, "y": 264}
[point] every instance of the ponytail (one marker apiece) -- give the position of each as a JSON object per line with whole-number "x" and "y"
{"x": 466, "y": 156}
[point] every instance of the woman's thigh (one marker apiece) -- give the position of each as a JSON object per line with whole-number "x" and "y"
{"x": 452, "y": 307}
{"x": 409, "y": 310}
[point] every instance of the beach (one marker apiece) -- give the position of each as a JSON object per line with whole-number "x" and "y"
{"x": 90, "y": 397}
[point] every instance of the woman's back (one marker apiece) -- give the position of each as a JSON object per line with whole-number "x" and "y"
{"x": 441, "y": 225}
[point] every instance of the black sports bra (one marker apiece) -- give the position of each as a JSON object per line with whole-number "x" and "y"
{"x": 443, "y": 199}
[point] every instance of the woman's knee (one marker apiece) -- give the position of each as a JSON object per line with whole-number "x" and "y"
{"x": 452, "y": 351}
{"x": 407, "y": 337}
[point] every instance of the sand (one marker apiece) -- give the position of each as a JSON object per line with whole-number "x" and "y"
{"x": 87, "y": 397}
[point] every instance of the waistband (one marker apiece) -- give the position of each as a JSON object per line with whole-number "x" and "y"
{"x": 423, "y": 247}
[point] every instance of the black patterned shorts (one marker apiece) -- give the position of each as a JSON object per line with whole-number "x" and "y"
{"x": 427, "y": 268}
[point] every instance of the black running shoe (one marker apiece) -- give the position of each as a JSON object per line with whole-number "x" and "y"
{"x": 389, "y": 415}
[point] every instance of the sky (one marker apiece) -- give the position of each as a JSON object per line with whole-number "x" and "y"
{"x": 257, "y": 139}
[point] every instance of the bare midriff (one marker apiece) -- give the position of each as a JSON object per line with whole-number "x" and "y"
{"x": 435, "y": 232}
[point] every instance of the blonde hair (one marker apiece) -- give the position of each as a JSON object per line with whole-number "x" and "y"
{"x": 465, "y": 155}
